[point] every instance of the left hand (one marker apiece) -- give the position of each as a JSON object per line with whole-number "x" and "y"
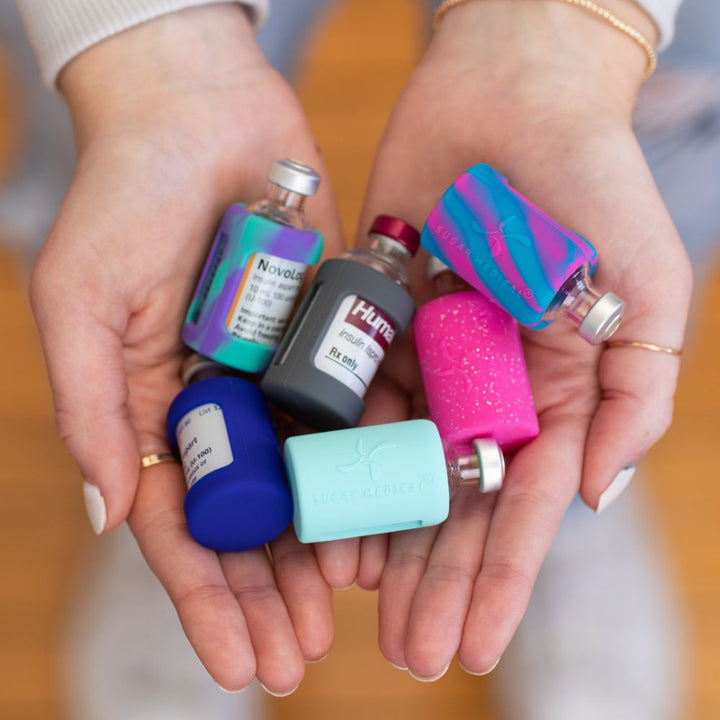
{"x": 174, "y": 119}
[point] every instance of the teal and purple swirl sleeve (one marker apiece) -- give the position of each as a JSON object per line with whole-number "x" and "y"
{"x": 248, "y": 288}
{"x": 504, "y": 245}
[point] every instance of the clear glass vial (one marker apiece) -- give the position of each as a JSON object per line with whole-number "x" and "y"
{"x": 597, "y": 315}
{"x": 381, "y": 478}
{"x": 254, "y": 272}
{"x": 472, "y": 364}
{"x": 518, "y": 256}
{"x": 357, "y": 305}
{"x": 219, "y": 424}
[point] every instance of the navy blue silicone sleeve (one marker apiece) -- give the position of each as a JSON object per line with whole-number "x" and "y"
{"x": 246, "y": 502}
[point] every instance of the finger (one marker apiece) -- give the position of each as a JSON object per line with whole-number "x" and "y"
{"x": 442, "y": 598}
{"x": 541, "y": 482}
{"x": 386, "y": 401}
{"x": 637, "y": 386}
{"x": 338, "y": 561}
{"x": 373, "y": 556}
{"x": 408, "y": 553}
{"x": 635, "y": 409}
{"x": 280, "y": 663}
{"x": 84, "y": 360}
{"x": 307, "y": 596}
{"x": 193, "y": 578}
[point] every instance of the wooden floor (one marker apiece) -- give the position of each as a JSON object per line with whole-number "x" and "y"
{"x": 43, "y": 530}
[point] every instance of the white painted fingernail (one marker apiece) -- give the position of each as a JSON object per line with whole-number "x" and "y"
{"x": 433, "y": 678}
{"x": 278, "y": 695}
{"x": 229, "y": 692}
{"x": 484, "y": 672}
{"x": 615, "y": 488}
{"x": 95, "y": 506}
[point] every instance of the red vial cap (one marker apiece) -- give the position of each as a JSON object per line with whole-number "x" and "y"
{"x": 398, "y": 230}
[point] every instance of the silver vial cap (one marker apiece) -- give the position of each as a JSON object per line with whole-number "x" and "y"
{"x": 602, "y": 319}
{"x": 434, "y": 267}
{"x": 486, "y": 466}
{"x": 294, "y": 176}
{"x": 492, "y": 464}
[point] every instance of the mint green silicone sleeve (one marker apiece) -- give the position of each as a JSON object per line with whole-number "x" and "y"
{"x": 367, "y": 480}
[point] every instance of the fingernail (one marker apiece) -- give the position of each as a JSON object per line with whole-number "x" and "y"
{"x": 317, "y": 660}
{"x": 278, "y": 695}
{"x": 398, "y": 667}
{"x": 484, "y": 672}
{"x": 95, "y": 506}
{"x": 615, "y": 488}
{"x": 229, "y": 692}
{"x": 346, "y": 587}
{"x": 429, "y": 679}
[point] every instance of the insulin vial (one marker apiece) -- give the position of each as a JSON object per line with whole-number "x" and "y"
{"x": 518, "y": 256}
{"x": 254, "y": 272}
{"x": 473, "y": 367}
{"x": 238, "y": 497}
{"x": 381, "y": 478}
{"x": 357, "y": 304}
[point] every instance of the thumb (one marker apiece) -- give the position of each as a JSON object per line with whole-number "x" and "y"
{"x": 83, "y": 353}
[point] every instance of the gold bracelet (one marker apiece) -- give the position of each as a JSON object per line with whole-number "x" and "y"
{"x": 592, "y": 7}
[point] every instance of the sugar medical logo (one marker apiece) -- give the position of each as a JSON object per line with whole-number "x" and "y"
{"x": 366, "y": 317}
{"x": 503, "y": 230}
{"x": 492, "y": 237}
{"x": 365, "y": 457}
{"x": 482, "y": 261}
{"x": 443, "y": 234}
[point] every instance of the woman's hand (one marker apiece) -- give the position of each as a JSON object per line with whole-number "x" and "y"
{"x": 543, "y": 92}
{"x": 175, "y": 119}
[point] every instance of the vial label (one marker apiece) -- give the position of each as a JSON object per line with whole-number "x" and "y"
{"x": 203, "y": 442}
{"x": 355, "y": 343}
{"x": 265, "y": 298}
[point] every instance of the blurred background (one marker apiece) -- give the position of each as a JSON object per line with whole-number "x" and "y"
{"x": 363, "y": 52}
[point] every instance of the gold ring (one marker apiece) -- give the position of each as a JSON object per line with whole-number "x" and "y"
{"x": 644, "y": 346}
{"x": 147, "y": 461}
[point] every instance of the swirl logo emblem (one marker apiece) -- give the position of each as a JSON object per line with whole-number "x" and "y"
{"x": 457, "y": 363}
{"x": 504, "y": 229}
{"x": 366, "y": 457}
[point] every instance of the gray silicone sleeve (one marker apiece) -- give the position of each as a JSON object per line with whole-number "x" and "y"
{"x": 292, "y": 382}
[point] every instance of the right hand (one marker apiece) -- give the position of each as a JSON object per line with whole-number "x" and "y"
{"x": 543, "y": 92}
{"x": 175, "y": 119}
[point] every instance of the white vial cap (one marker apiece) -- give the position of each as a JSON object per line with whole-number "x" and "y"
{"x": 434, "y": 267}
{"x": 602, "y": 319}
{"x": 294, "y": 176}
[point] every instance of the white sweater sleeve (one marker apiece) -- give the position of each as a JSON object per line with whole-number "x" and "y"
{"x": 61, "y": 29}
{"x": 663, "y": 12}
